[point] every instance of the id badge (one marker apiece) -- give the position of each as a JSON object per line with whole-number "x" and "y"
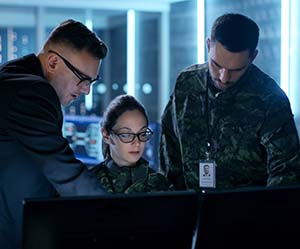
{"x": 207, "y": 174}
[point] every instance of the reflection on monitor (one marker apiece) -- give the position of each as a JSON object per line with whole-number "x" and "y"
{"x": 84, "y": 136}
{"x": 159, "y": 220}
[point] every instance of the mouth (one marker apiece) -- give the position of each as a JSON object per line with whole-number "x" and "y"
{"x": 222, "y": 85}
{"x": 134, "y": 152}
{"x": 74, "y": 96}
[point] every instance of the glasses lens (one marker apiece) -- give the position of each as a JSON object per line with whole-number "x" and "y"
{"x": 126, "y": 137}
{"x": 129, "y": 137}
{"x": 85, "y": 81}
{"x": 88, "y": 81}
{"x": 145, "y": 136}
{"x": 93, "y": 80}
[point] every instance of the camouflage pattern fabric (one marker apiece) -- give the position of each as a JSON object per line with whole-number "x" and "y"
{"x": 133, "y": 179}
{"x": 253, "y": 135}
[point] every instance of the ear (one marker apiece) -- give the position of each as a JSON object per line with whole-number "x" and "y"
{"x": 52, "y": 62}
{"x": 105, "y": 135}
{"x": 253, "y": 56}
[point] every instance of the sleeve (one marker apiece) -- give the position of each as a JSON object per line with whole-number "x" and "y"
{"x": 35, "y": 122}
{"x": 170, "y": 153}
{"x": 280, "y": 138}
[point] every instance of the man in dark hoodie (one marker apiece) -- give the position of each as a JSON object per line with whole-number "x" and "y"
{"x": 35, "y": 158}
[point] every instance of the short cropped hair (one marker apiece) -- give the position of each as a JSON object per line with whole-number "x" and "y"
{"x": 77, "y": 36}
{"x": 235, "y": 32}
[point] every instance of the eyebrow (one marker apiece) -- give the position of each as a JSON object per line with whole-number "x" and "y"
{"x": 129, "y": 129}
{"x": 235, "y": 69}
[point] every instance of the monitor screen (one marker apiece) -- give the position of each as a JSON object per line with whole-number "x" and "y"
{"x": 84, "y": 136}
{"x": 149, "y": 220}
{"x": 249, "y": 218}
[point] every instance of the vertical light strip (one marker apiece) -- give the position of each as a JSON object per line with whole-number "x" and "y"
{"x": 164, "y": 86}
{"x": 295, "y": 57}
{"x": 200, "y": 31}
{"x": 131, "y": 52}
{"x": 40, "y": 28}
{"x": 285, "y": 46}
{"x": 89, "y": 24}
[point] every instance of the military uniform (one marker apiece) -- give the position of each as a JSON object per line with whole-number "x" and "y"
{"x": 131, "y": 179}
{"x": 250, "y": 127}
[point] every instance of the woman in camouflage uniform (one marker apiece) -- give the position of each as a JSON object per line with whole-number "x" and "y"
{"x": 125, "y": 133}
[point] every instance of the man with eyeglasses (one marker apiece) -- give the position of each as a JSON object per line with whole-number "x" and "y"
{"x": 35, "y": 159}
{"x": 230, "y": 115}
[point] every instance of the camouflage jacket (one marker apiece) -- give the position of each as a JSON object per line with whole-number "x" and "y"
{"x": 254, "y": 140}
{"x": 133, "y": 179}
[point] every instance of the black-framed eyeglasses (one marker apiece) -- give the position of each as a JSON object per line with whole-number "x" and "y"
{"x": 128, "y": 137}
{"x": 82, "y": 78}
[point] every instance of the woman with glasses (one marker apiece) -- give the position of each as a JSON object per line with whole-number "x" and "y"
{"x": 125, "y": 132}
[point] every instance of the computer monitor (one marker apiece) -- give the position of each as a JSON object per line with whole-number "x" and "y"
{"x": 149, "y": 220}
{"x": 249, "y": 218}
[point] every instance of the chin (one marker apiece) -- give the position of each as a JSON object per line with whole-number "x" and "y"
{"x": 132, "y": 162}
{"x": 222, "y": 87}
{"x": 66, "y": 103}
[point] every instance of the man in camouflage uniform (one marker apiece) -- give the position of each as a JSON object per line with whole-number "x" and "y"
{"x": 231, "y": 111}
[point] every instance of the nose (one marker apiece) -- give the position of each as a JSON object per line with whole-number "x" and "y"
{"x": 136, "y": 140}
{"x": 85, "y": 89}
{"x": 224, "y": 75}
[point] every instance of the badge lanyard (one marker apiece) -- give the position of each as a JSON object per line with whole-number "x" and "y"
{"x": 207, "y": 166}
{"x": 209, "y": 132}
{"x": 208, "y": 142}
